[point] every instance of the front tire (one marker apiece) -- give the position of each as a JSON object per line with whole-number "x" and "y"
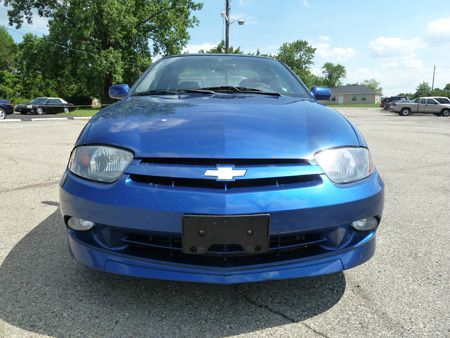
{"x": 39, "y": 111}
{"x": 445, "y": 113}
{"x": 66, "y": 110}
{"x": 2, "y": 114}
{"x": 405, "y": 112}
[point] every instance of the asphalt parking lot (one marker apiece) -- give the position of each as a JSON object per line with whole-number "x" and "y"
{"x": 402, "y": 291}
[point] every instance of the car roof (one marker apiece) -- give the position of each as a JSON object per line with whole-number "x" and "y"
{"x": 218, "y": 55}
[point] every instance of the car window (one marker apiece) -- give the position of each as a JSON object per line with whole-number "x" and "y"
{"x": 54, "y": 101}
{"x": 431, "y": 101}
{"x": 443, "y": 100}
{"x": 193, "y": 72}
{"x": 39, "y": 100}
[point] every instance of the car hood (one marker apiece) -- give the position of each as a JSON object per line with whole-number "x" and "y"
{"x": 220, "y": 126}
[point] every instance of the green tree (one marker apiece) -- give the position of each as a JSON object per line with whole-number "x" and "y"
{"x": 33, "y": 70}
{"x": 373, "y": 84}
{"x": 333, "y": 74}
{"x": 423, "y": 89}
{"x": 298, "y": 56}
{"x": 220, "y": 48}
{"x": 96, "y": 43}
{"x": 8, "y": 85}
{"x": 441, "y": 92}
{"x": 7, "y": 49}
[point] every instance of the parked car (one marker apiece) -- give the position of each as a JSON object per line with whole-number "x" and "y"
{"x": 385, "y": 101}
{"x": 425, "y": 105}
{"x": 6, "y": 108}
{"x": 220, "y": 168}
{"x": 389, "y": 104}
{"x": 45, "y": 105}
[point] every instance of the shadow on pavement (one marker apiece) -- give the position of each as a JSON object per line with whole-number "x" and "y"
{"x": 44, "y": 290}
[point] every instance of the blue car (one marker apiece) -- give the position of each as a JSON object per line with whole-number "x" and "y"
{"x": 220, "y": 169}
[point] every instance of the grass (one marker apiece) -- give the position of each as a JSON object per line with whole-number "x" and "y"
{"x": 81, "y": 112}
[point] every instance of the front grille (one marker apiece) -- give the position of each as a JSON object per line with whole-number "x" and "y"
{"x": 168, "y": 248}
{"x": 189, "y": 173}
{"x": 280, "y": 182}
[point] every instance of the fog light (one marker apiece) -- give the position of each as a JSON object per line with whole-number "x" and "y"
{"x": 365, "y": 224}
{"x": 80, "y": 224}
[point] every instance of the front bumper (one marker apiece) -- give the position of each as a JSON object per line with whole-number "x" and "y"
{"x": 325, "y": 209}
{"x": 130, "y": 266}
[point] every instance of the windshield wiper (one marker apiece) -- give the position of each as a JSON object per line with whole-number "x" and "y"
{"x": 172, "y": 92}
{"x": 234, "y": 89}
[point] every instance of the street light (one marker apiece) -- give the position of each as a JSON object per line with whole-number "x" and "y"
{"x": 228, "y": 22}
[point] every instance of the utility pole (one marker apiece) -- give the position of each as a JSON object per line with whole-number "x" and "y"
{"x": 432, "y": 83}
{"x": 227, "y": 25}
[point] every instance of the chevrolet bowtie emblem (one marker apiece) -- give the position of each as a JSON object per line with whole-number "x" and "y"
{"x": 225, "y": 173}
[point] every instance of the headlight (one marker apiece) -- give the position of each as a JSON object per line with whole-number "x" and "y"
{"x": 99, "y": 163}
{"x": 344, "y": 165}
{"x": 29, "y": 106}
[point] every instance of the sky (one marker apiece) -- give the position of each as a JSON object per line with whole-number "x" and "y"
{"x": 395, "y": 42}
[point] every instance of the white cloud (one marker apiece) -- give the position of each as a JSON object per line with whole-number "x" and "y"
{"x": 438, "y": 32}
{"x": 324, "y": 38}
{"x": 395, "y": 46}
{"x": 316, "y": 71}
{"x": 194, "y": 48}
{"x": 397, "y": 65}
{"x": 326, "y": 51}
{"x": 440, "y": 27}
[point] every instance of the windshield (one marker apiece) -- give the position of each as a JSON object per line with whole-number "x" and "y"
{"x": 195, "y": 72}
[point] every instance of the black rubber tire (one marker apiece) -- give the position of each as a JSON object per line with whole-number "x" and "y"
{"x": 2, "y": 114}
{"x": 405, "y": 112}
{"x": 445, "y": 112}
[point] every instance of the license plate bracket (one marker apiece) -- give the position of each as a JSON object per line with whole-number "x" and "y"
{"x": 200, "y": 232}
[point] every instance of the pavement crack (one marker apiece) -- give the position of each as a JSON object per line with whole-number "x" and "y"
{"x": 276, "y": 312}
{"x": 31, "y": 186}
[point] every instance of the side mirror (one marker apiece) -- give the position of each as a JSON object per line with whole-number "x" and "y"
{"x": 118, "y": 91}
{"x": 321, "y": 93}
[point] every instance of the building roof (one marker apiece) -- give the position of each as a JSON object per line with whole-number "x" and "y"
{"x": 353, "y": 89}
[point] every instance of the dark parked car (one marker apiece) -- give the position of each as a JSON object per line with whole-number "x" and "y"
{"x": 6, "y": 108}
{"x": 387, "y": 100}
{"x": 45, "y": 105}
{"x": 391, "y": 103}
